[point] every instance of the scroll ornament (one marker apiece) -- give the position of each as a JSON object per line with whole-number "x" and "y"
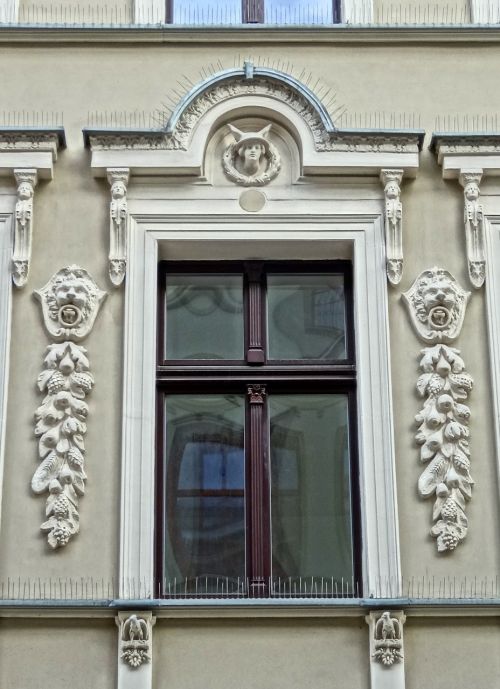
{"x": 393, "y": 217}
{"x": 70, "y": 301}
{"x": 443, "y": 433}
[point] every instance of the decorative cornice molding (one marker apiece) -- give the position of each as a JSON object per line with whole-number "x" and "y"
{"x": 437, "y": 307}
{"x": 26, "y": 139}
{"x": 70, "y": 302}
{"x": 118, "y": 212}
{"x": 393, "y": 216}
{"x": 436, "y": 304}
{"x": 23, "y": 230}
{"x": 474, "y": 228}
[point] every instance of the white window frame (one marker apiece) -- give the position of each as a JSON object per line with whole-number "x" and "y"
{"x": 149, "y": 12}
{"x": 9, "y": 11}
{"x": 155, "y": 232}
{"x": 484, "y": 12}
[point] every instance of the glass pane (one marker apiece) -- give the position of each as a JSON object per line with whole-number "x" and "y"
{"x": 204, "y": 317}
{"x": 298, "y": 12}
{"x": 205, "y": 493}
{"x": 196, "y": 12}
{"x": 310, "y": 492}
{"x": 306, "y": 317}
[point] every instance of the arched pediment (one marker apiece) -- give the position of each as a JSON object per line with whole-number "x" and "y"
{"x": 248, "y": 81}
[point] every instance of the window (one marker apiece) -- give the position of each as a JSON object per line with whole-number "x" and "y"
{"x": 252, "y": 11}
{"x": 257, "y": 489}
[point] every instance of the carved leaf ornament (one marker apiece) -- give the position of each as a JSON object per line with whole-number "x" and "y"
{"x": 70, "y": 303}
{"x": 437, "y": 306}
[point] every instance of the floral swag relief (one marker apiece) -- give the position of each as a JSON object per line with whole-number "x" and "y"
{"x": 437, "y": 306}
{"x": 251, "y": 160}
{"x": 70, "y": 302}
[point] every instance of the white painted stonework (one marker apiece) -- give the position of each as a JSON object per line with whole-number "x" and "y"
{"x": 118, "y": 213}
{"x": 21, "y": 254}
{"x": 484, "y": 12}
{"x": 391, "y": 179}
{"x": 135, "y": 649}
{"x": 9, "y": 11}
{"x": 149, "y": 11}
{"x": 474, "y": 226}
{"x": 386, "y": 649}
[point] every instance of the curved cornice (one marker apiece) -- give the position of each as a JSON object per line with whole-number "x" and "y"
{"x": 247, "y": 73}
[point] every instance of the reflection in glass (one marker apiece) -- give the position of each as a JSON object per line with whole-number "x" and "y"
{"x": 201, "y": 12}
{"x": 298, "y": 12}
{"x": 310, "y": 488}
{"x": 205, "y": 480}
{"x": 204, "y": 317}
{"x": 306, "y": 317}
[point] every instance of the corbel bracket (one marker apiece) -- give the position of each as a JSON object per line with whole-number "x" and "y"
{"x": 118, "y": 211}
{"x": 393, "y": 219}
{"x": 474, "y": 227}
{"x": 26, "y": 180}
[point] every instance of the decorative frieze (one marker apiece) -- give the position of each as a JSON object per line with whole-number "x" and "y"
{"x": 393, "y": 217}
{"x": 474, "y": 231}
{"x": 251, "y": 160}
{"x": 118, "y": 211}
{"x": 23, "y": 230}
{"x": 437, "y": 306}
{"x": 70, "y": 302}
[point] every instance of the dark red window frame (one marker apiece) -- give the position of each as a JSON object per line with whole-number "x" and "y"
{"x": 257, "y": 377}
{"x": 252, "y": 11}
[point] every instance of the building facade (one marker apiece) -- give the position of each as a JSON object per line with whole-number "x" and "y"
{"x": 248, "y": 345}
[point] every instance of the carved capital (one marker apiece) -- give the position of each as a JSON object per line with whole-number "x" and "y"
{"x": 443, "y": 437}
{"x": 386, "y": 637}
{"x": 474, "y": 227}
{"x": 118, "y": 212}
{"x": 26, "y": 180}
{"x": 256, "y": 394}
{"x": 136, "y": 636}
{"x": 70, "y": 303}
{"x": 436, "y": 304}
{"x": 393, "y": 218}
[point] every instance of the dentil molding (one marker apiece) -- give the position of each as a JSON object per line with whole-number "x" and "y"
{"x": 118, "y": 211}
{"x": 70, "y": 302}
{"x": 437, "y": 305}
{"x": 23, "y": 229}
{"x": 393, "y": 217}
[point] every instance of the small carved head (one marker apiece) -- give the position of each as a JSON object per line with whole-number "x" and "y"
{"x": 392, "y": 190}
{"x": 118, "y": 190}
{"x": 471, "y": 191}
{"x": 24, "y": 191}
{"x": 437, "y": 305}
{"x": 251, "y": 148}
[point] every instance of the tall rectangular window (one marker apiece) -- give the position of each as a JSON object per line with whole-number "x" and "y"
{"x": 257, "y": 468}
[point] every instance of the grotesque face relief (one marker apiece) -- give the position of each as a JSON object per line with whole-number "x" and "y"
{"x": 436, "y": 303}
{"x": 70, "y": 302}
{"x": 251, "y": 160}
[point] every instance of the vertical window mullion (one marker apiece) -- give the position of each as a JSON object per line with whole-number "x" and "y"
{"x": 259, "y": 550}
{"x": 255, "y": 353}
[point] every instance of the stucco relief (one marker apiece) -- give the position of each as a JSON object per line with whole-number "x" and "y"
{"x": 70, "y": 302}
{"x": 251, "y": 160}
{"x": 23, "y": 232}
{"x": 474, "y": 228}
{"x": 388, "y": 639}
{"x": 437, "y": 307}
{"x": 393, "y": 216}
{"x": 135, "y": 638}
{"x": 118, "y": 211}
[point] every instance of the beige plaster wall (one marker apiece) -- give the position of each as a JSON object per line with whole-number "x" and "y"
{"x": 437, "y": 655}
{"x": 326, "y": 654}
{"x": 72, "y": 226}
{"x": 76, "y": 11}
{"x": 57, "y": 653}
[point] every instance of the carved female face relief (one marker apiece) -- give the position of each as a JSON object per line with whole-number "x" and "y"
{"x": 436, "y": 303}
{"x": 70, "y": 302}
{"x": 251, "y": 160}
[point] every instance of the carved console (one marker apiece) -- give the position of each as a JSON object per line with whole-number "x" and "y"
{"x": 135, "y": 649}
{"x": 70, "y": 303}
{"x": 436, "y": 304}
{"x": 387, "y": 657}
{"x": 393, "y": 218}
{"x": 474, "y": 229}
{"x": 118, "y": 211}
{"x": 23, "y": 228}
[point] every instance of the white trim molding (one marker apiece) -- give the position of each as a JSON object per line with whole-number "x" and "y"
{"x": 393, "y": 216}
{"x": 9, "y": 11}
{"x": 484, "y": 12}
{"x": 356, "y": 11}
{"x": 118, "y": 213}
{"x": 21, "y": 254}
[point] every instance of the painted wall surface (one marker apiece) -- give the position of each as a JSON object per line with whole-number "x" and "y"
{"x": 72, "y": 226}
{"x": 59, "y": 654}
{"x": 252, "y": 654}
{"x": 421, "y": 12}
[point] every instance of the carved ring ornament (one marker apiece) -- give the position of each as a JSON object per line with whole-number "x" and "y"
{"x": 70, "y": 302}
{"x": 251, "y": 160}
{"x": 437, "y": 307}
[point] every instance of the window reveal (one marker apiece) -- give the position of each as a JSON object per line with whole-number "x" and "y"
{"x": 257, "y": 488}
